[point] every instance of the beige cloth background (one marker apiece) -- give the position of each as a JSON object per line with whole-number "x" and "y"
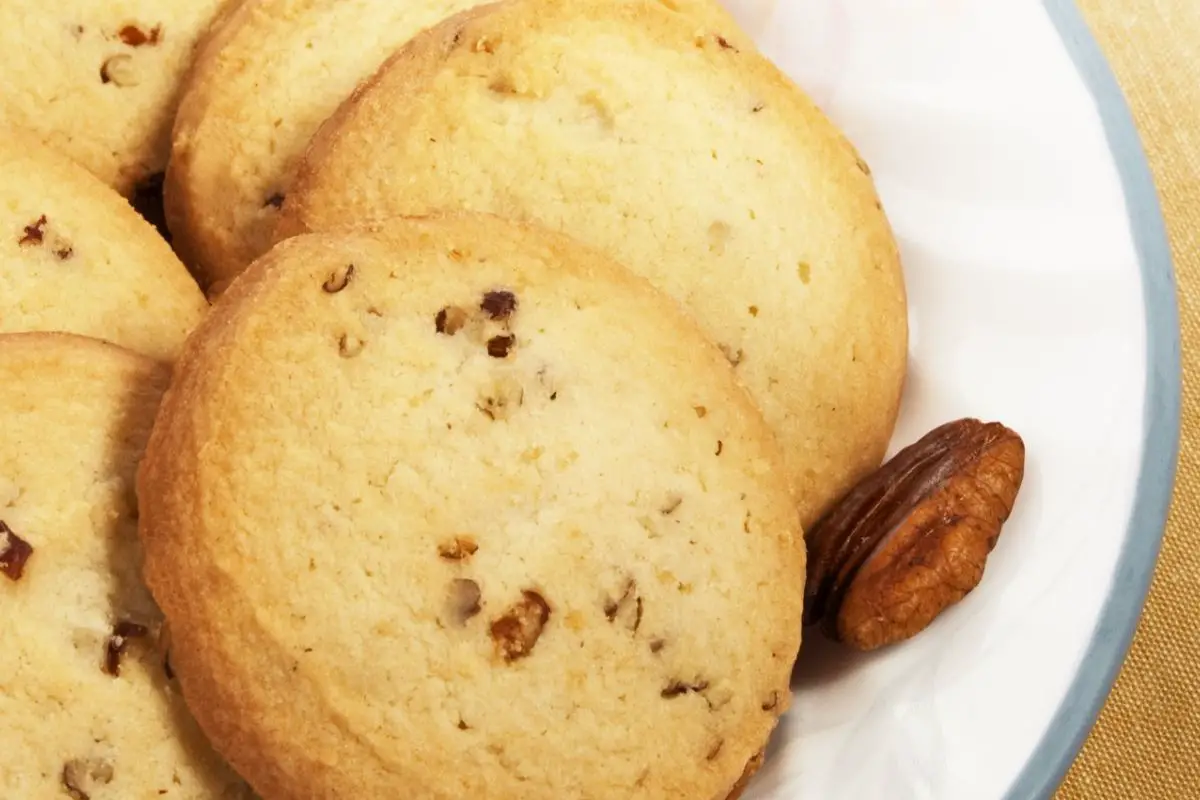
{"x": 1147, "y": 742}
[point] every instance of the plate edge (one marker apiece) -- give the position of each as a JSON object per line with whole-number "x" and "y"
{"x": 1052, "y": 757}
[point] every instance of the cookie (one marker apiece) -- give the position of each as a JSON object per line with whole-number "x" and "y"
{"x": 99, "y": 80}
{"x": 255, "y": 96}
{"x": 677, "y": 152}
{"x": 75, "y": 257}
{"x": 484, "y": 515}
{"x": 89, "y": 707}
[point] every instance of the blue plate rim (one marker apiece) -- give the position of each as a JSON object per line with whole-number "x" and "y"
{"x": 1060, "y": 744}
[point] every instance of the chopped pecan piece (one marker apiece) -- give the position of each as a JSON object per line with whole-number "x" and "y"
{"x": 499, "y": 305}
{"x": 500, "y": 346}
{"x": 350, "y": 346}
{"x": 134, "y": 36}
{"x": 450, "y": 320}
{"x": 912, "y": 539}
{"x": 628, "y": 608}
{"x": 34, "y": 233}
{"x": 118, "y": 70}
{"x": 676, "y": 688}
{"x": 517, "y": 631}
{"x": 80, "y": 776}
{"x": 338, "y": 279}
{"x": 14, "y": 553}
{"x": 123, "y": 632}
{"x": 734, "y": 355}
{"x": 459, "y": 548}
{"x": 464, "y": 599}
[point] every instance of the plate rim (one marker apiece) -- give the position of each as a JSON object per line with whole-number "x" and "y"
{"x": 1112, "y": 636}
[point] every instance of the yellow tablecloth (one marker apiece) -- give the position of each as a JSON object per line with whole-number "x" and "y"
{"x": 1147, "y": 742}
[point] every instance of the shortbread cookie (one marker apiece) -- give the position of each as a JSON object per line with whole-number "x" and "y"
{"x": 88, "y": 706}
{"x": 677, "y": 152}
{"x": 257, "y": 93}
{"x": 460, "y": 507}
{"x": 75, "y": 257}
{"x": 99, "y": 80}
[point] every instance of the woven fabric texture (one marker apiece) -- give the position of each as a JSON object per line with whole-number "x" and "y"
{"x": 1146, "y": 744}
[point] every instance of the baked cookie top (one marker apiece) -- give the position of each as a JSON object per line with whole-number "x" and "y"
{"x": 459, "y": 506}
{"x": 678, "y": 152}
{"x": 99, "y": 80}
{"x": 88, "y": 707}
{"x": 75, "y": 257}
{"x": 258, "y": 91}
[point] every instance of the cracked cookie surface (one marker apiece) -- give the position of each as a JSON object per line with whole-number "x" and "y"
{"x": 497, "y": 526}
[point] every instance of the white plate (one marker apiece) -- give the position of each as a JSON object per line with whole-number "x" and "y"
{"x": 1042, "y": 296}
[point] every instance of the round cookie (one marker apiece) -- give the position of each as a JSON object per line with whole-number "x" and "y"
{"x": 257, "y": 92}
{"x": 99, "y": 80}
{"x": 75, "y": 257}
{"x": 678, "y": 153}
{"x": 87, "y": 704}
{"x": 460, "y": 506}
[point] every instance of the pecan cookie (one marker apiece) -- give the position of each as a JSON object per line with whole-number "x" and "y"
{"x": 680, "y": 152}
{"x": 459, "y": 506}
{"x": 99, "y": 80}
{"x": 74, "y": 257}
{"x": 88, "y": 706}
{"x": 258, "y": 91}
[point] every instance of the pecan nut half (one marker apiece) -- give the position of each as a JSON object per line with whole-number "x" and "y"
{"x": 912, "y": 539}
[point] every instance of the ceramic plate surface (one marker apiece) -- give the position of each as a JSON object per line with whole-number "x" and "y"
{"x": 1041, "y": 296}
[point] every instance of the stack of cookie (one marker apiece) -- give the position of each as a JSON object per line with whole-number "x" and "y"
{"x": 540, "y": 330}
